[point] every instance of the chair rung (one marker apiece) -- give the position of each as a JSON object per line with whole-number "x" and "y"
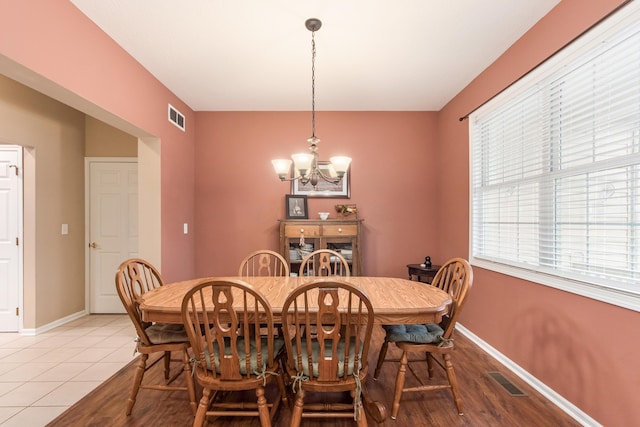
{"x": 233, "y": 413}
{"x": 162, "y": 387}
{"x": 238, "y": 405}
{"x": 329, "y": 407}
{"x": 427, "y": 387}
{"x": 328, "y": 415}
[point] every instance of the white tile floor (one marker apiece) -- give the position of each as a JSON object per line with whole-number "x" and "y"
{"x": 43, "y": 375}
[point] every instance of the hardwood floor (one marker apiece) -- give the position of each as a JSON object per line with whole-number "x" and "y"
{"x": 485, "y": 401}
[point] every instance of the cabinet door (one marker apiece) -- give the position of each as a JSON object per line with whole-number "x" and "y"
{"x": 344, "y": 246}
{"x": 299, "y": 241}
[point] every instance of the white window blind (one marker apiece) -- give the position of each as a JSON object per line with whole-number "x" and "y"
{"x": 555, "y": 169}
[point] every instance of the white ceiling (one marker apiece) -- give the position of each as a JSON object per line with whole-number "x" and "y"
{"x": 372, "y": 55}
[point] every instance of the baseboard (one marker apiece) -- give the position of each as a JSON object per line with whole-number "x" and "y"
{"x": 566, "y": 406}
{"x": 54, "y": 324}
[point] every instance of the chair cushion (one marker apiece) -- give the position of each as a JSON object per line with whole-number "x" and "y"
{"x": 166, "y": 333}
{"x": 278, "y": 343}
{"x": 421, "y": 334}
{"x": 315, "y": 348}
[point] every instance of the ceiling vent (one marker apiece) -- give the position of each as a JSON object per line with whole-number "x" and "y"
{"x": 176, "y": 117}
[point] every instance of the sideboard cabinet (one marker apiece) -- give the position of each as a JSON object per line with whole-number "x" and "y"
{"x": 299, "y": 237}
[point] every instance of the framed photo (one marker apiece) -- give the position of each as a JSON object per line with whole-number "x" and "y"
{"x": 324, "y": 188}
{"x": 296, "y": 206}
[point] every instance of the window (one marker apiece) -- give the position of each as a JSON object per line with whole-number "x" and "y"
{"x": 555, "y": 169}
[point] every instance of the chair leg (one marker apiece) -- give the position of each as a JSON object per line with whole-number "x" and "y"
{"x": 282, "y": 388}
{"x": 296, "y": 416}
{"x": 167, "y": 365}
{"x": 190, "y": 383}
{"x": 429, "y": 364}
{"x": 381, "y": 357}
{"x": 201, "y": 414}
{"x": 453, "y": 382}
{"x": 137, "y": 380}
{"x": 263, "y": 409}
{"x": 402, "y": 371}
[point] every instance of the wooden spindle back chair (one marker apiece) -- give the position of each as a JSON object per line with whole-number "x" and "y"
{"x": 134, "y": 278}
{"x": 264, "y": 262}
{"x": 223, "y": 319}
{"x": 327, "y": 326}
{"x": 456, "y": 278}
{"x": 324, "y": 262}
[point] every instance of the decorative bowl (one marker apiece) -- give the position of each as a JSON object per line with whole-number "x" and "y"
{"x": 323, "y": 215}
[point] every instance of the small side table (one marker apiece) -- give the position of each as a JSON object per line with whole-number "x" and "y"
{"x": 422, "y": 274}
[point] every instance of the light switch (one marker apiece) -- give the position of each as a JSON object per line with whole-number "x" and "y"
{"x": 186, "y": 228}
{"x": 65, "y": 229}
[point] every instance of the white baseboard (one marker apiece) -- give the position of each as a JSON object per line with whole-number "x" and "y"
{"x": 562, "y": 403}
{"x": 54, "y": 324}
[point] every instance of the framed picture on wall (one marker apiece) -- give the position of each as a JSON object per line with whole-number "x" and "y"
{"x": 296, "y": 206}
{"x": 324, "y": 188}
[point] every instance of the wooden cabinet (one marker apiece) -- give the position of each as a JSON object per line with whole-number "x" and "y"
{"x": 298, "y": 237}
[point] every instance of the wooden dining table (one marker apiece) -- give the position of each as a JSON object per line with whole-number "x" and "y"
{"x": 394, "y": 301}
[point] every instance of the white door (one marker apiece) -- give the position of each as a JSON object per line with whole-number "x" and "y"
{"x": 10, "y": 196}
{"x": 113, "y": 235}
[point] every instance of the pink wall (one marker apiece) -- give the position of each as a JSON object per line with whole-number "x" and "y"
{"x": 240, "y": 199}
{"x": 55, "y": 40}
{"x": 577, "y": 346}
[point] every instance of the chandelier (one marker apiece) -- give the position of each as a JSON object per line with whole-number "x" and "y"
{"x": 306, "y": 164}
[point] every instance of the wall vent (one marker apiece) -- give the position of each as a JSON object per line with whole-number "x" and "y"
{"x": 176, "y": 117}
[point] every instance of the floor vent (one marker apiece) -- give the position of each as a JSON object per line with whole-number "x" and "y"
{"x": 506, "y": 384}
{"x": 176, "y": 117}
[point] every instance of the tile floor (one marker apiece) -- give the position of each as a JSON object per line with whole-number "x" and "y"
{"x": 43, "y": 375}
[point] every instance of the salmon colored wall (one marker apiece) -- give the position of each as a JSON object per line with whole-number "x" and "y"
{"x": 240, "y": 199}
{"x": 62, "y": 48}
{"x": 579, "y": 347}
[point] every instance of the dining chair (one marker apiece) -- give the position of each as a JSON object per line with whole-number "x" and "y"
{"x": 324, "y": 262}
{"x": 134, "y": 278}
{"x": 456, "y": 278}
{"x": 222, "y": 319}
{"x": 263, "y": 262}
{"x": 332, "y": 358}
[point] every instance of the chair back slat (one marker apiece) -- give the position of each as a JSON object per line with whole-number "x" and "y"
{"x": 328, "y": 330}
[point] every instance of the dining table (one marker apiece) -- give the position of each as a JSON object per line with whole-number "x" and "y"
{"x": 394, "y": 301}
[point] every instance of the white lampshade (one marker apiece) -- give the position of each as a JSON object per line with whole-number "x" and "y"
{"x": 302, "y": 162}
{"x": 341, "y": 164}
{"x": 282, "y": 167}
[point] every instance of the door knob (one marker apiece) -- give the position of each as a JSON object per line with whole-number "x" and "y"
{"x": 93, "y": 245}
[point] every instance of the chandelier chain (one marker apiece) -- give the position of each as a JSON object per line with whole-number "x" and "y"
{"x": 313, "y": 85}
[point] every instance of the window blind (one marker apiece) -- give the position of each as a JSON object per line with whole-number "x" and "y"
{"x": 555, "y": 166}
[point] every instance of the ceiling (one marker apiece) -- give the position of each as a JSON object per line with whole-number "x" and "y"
{"x": 372, "y": 55}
